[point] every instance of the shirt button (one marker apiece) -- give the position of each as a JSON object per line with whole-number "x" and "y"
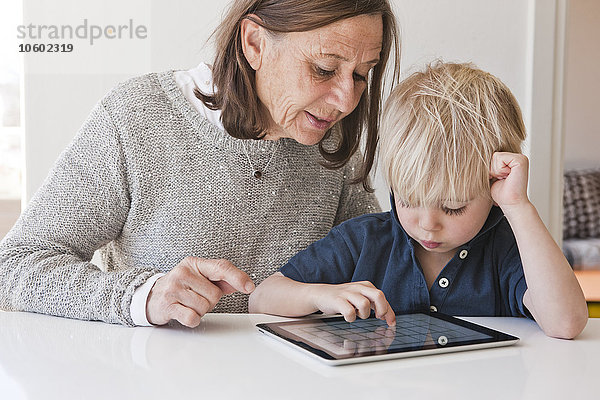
{"x": 463, "y": 254}
{"x": 443, "y": 282}
{"x": 433, "y": 308}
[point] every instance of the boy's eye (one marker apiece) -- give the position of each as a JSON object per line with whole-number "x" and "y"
{"x": 454, "y": 211}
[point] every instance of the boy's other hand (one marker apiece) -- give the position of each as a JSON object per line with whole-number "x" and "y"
{"x": 354, "y": 299}
{"x": 510, "y": 173}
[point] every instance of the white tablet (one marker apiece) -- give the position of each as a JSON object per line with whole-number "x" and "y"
{"x": 335, "y": 341}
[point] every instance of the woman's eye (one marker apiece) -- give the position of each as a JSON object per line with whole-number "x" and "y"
{"x": 324, "y": 72}
{"x": 328, "y": 73}
{"x": 359, "y": 77}
{"x": 454, "y": 211}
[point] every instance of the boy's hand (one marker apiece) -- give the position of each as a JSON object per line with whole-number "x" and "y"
{"x": 510, "y": 171}
{"x": 352, "y": 299}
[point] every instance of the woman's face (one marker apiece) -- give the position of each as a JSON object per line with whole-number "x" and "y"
{"x": 308, "y": 81}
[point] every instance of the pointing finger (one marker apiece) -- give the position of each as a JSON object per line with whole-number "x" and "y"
{"x": 223, "y": 270}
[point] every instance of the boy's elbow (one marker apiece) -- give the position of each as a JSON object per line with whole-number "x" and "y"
{"x": 569, "y": 328}
{"x": 567, "y": 332}
{"x": 578, "y": 324}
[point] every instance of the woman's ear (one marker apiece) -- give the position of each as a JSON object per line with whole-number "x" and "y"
{"x": 253, "y": 43}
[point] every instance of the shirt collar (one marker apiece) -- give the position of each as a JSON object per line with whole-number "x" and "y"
{"x": 494, "y": 217}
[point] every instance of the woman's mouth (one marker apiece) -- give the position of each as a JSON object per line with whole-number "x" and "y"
{"x": 318, "y": 123}
{"x": 430, "y": 245}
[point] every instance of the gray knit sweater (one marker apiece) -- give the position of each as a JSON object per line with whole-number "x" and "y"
{"x": 150, "y": 181}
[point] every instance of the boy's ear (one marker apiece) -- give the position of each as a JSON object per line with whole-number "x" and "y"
{"x": 492, "y": 180}
{"x": 253, "y": 40}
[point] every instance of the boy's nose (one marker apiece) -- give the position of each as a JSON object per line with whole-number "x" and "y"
{"x": 429, "y": 220}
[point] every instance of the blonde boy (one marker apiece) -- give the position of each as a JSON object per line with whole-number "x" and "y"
{"x": 462, "y": 236}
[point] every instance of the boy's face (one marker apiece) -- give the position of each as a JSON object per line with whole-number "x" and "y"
{"x": 443, "y": 229}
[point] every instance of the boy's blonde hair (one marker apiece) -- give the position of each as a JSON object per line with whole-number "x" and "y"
{"x": 439, "y": 131}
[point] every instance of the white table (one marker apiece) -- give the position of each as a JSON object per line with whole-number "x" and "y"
{"x": 44, "y": 357}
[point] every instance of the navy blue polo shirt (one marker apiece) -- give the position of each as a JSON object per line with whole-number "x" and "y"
{"x": 484, "y": 278}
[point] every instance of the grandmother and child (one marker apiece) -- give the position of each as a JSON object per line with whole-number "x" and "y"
{"x": 195, "y": 184}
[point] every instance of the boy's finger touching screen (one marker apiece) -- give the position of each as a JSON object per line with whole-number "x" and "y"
{"x": 352, "y": 300}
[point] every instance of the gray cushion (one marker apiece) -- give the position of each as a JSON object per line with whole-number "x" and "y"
{"x": 582, "y": 204}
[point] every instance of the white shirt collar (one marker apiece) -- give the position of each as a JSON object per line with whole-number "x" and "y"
{"x": 199, "y": 78}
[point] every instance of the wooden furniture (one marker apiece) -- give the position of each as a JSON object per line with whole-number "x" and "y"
{"x": 590, "y": 283}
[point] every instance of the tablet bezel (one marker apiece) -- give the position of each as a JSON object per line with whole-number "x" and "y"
{"x": 496, "y": 339}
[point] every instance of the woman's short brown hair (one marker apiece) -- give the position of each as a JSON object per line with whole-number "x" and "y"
{"x": 234, "y": 80}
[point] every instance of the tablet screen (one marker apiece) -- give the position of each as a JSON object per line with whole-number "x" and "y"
{"x": 335, "y": 339}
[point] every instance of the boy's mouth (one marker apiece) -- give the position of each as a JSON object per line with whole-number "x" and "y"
{"x": 430, "y": 245}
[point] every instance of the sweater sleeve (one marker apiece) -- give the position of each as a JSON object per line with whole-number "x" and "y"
{"x": 354, "y": 199}
{"x": 82, "y": 205}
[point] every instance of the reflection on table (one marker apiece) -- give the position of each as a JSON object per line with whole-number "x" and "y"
{"x": 44, "y": 357}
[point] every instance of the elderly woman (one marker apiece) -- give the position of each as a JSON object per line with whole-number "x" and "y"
{"x": 195, "y": 185}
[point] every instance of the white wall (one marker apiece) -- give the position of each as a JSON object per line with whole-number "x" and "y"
{"x": 582, "y": 85}
{"x": 60, "y": 89}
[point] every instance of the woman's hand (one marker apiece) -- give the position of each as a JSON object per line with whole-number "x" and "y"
{"x": 353, "y": 299}
{"x": 192, "y": 289}
{"x": 511, "y": 171}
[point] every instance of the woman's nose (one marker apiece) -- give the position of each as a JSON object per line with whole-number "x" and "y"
{"x": 343, "y": 95}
